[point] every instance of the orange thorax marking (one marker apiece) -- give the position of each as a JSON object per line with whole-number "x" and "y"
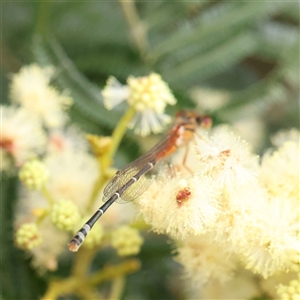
{"x": 179, "y": 137}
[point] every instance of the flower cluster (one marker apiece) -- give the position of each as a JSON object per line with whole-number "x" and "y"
{"x": 148, "y": 96}
{"x": 34, "y": 175}
{"x": 31, "y": 88}
{"x": 126, "y": 241}
{"x": 228, "y": 210}
{"x": 64, "y": 214}
{"x": 180, "y": 214}
{"x": 291, "y": 291}
{"x": 27, "y": 236}
{"x": 63, "y": 176}
{"x": 59, "y": 176}
{"x": 22, "y": 137}
{"x": 95, "y": 237}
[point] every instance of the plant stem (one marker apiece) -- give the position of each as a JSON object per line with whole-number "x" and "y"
{"x": 83, "y": 285}
{"x": 47, "y": 195}
{"x": 107, "y": 159}
{"x": 117, "y": 288}
{"x": 60, "y": 287}
{"x": 83, "y": 260}
{"x": 113, "y": 272}
{"x": 136, "y": 26}
{"x": 118, "y": 135}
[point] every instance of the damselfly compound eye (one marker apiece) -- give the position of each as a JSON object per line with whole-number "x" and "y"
{"x": 204, "y": 121}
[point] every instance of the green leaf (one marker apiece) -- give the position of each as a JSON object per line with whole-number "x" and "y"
{"x": 290, "y": 10}
{"x": 18, "y": 280}
{"x": 213, "y": 62}
{"x": 237, "y": 17}
{"x": 86, "y": 95}
{"x": 275, "y": 39}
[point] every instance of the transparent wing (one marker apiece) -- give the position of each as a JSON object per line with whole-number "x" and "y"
{"x": 132, "y": 192}
{"x": 124, "y": 175}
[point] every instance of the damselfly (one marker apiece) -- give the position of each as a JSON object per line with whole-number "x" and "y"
{"x": 129, "y": 182}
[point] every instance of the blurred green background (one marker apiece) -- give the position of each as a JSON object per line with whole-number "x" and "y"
{"x": 248, "y": 49}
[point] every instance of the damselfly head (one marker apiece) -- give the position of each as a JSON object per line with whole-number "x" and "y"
{"x": 204, "y": 121}
{"x": 187, "y": 117}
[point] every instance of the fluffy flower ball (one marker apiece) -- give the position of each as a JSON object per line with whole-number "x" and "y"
{"x": 34, "y": 175}
{"x": 64, "y": 215}
{"x": 180, "y": 207}
{"x": 95, "y": 236}
{"x": 27, "y": 236}
{"x": 126, "y": 241}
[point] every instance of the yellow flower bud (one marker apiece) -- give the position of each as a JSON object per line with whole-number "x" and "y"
{"x": 99, "y": 144}
{"x": 126, "y": 241}
{"x": 27, "y": 236}
{"x": 95, "y": 236}
{"x": 34, "y": 174}
{"x": 64, "y": 215}
{"x": 149, "y": 92}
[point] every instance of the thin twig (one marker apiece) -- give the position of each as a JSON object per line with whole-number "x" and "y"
{"x": 137, "y": 27}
